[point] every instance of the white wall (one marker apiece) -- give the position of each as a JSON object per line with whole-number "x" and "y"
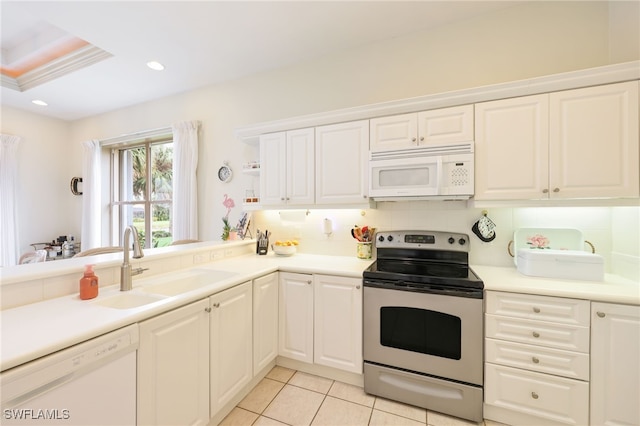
{"x": 527, "y": 40}
{"x": 46, "y": 208}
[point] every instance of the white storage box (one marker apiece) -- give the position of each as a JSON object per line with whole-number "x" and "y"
{"x": 567, "y": 264}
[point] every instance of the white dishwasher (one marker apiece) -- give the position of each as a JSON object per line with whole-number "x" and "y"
{"x": 92, "y": 383}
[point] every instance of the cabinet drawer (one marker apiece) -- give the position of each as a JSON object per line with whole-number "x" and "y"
{"x": 540, "y": 308}
{"x": 574, "y": 365}
{"x": 542, "y": 395}
{"x": 559, "y": 336}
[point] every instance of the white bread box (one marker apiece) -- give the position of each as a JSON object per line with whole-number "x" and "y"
{"x": 566, "y": 264}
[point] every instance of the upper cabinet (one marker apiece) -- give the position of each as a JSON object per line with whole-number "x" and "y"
{"x": 342, "y": 163}
{"x": 580, "y": 143}
{"x": 287, "y": 168}
{"x": 446, "y": 125}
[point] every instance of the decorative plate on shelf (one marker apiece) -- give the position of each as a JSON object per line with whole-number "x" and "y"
{"x": 224, "y": 173}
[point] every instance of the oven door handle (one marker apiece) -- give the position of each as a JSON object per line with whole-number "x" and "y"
{"x": 400, "y": 285}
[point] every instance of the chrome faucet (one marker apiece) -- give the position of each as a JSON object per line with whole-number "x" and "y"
{"x": 126, "y": 272}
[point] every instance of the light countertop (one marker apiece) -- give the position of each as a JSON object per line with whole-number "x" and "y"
{"x": 38, "y": 329}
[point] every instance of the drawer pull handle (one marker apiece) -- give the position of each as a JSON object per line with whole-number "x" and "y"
{"x": 536, "y": 310}
{"x": 601, "y": 314}
{"x": 535, "y": 360}
{"x": 536, "y": 334}
{"x": 534, "y": 395}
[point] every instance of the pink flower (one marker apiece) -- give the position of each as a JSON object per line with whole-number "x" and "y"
{"x": 228, "y": 203}
{"x": 538, "y": 241}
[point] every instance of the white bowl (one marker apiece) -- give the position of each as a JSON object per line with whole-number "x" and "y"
{"x": 284, "y": 250}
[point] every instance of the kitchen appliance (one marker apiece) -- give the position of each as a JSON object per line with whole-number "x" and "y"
{"x": 430, "y": 172}
{"x": 92, "y": 383}
{"x": 423, "y": 323}
{"x": 563, "y": 264}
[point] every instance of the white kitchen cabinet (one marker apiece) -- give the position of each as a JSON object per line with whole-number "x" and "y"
{"x": 615, "y": 364}
{"x": 295, "y": 335}
{"x": 536, "y": 359}
{"x": 231, "y": 343}
{"x": 580, "y": 143}
{"x": 173, "y": 367}
{"x": 342, "y": 163}
{"x": 439, "y": 126}
{"x": 338, "y": 322}
{"x": 287, "y": 168}
{"x": 265, "y": 321}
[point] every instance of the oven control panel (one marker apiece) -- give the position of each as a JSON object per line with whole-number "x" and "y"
{"x": 428, "y": 240}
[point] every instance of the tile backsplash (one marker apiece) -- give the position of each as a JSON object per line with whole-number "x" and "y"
{"x": 614, "y": 231}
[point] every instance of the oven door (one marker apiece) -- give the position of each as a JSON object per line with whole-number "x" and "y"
{"x": 434, "y": 334}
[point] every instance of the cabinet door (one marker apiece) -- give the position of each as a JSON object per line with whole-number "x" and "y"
{"x": 594, "y": 142}
{"x": 273, "y": 178}
{"x": 231, "y": 343}
{"x": 446, "y": 125}
{"x": 300, "y": 167}
{"x": 173, "y": 367}
{"x": 338, "y": 322}
{"x": 394, "y": 132}
{"x": 615, "y": 370}
{"x": 342, "y": 160}
{"x": 265, "y": 321}
{"x": 296, "y": 316}
{"x": 512, "y": 148}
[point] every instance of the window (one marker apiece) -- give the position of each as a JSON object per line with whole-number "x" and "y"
{"x": 142, "y": 190}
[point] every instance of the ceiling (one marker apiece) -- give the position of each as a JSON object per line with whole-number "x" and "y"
{"x": 200, "y": 43}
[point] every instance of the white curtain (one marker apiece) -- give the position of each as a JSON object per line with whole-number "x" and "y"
{"x": 185, "y": 184}
{"x": 91, "y": 195}
{"x": 9, "y": 245}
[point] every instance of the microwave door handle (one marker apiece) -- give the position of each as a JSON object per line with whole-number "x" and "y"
{"x": 439, "y": 173}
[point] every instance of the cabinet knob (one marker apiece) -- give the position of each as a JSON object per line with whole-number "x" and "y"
{"x": 281, "y": 198}
{"x": 536, "y": 334}
{"x": 421, "y": 138}
{"x": 534, "y": 395}
{"x": 556, "y": 189}
{"x": 288, "y": 198}
{"x": 207, "y": 309}
{"x": 545, "y": 191}
{"x": 309, "y": 282}
{"x": 413, "y": 139}
{"x": 601, "y": 314}
{"x": 535, "y": 360}
{"x": 536, "y": 310}
{"x": 358, "y": 287}
{"x": 216, "y": 305}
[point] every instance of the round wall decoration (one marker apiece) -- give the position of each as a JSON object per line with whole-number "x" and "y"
{"x": 224, "y": 173}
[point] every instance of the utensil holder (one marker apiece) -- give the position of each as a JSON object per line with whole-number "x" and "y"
{"x": 363, "y": 250}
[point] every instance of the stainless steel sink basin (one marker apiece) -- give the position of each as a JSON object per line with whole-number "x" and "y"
{"x": 187, "y": 281}
{"x": 129, "y": 300}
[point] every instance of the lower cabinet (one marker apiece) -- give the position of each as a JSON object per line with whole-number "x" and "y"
{"x": 615, "y": 364}
{"x": 173, "y": 367}
{"x": 231, "y": 343}
{"x": 265, "y": 321}
{"x": 536, "y": 359}
{"x": 337, "y": 328}
{"x": 321, "y": 320}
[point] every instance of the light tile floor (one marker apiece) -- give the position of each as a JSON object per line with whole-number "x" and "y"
{"x": 289, "y": 397}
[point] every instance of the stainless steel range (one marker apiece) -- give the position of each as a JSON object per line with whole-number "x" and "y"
{"x": 423, "y": 323}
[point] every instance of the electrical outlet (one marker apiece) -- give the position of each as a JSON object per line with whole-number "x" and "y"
{"x": 198, "y": 258}
{"x": 228, "y": 253}
{"x": 216, "y": 255}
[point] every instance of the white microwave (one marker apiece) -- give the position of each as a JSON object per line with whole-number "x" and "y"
{"x": 431, "y": 172}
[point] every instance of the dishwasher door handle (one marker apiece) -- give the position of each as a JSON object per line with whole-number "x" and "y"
{"x": 17, "y": 400}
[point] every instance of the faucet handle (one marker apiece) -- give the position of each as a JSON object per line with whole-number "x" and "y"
{"x": 138, "y": 271}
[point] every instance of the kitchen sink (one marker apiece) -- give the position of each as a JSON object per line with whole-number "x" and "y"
{"x": 187, "y": 281}
{"x": 129, "y": 300}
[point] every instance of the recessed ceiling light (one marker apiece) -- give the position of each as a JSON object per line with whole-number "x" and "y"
{"x": 155, "y": 65}
{"x": 39, "y": 102}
